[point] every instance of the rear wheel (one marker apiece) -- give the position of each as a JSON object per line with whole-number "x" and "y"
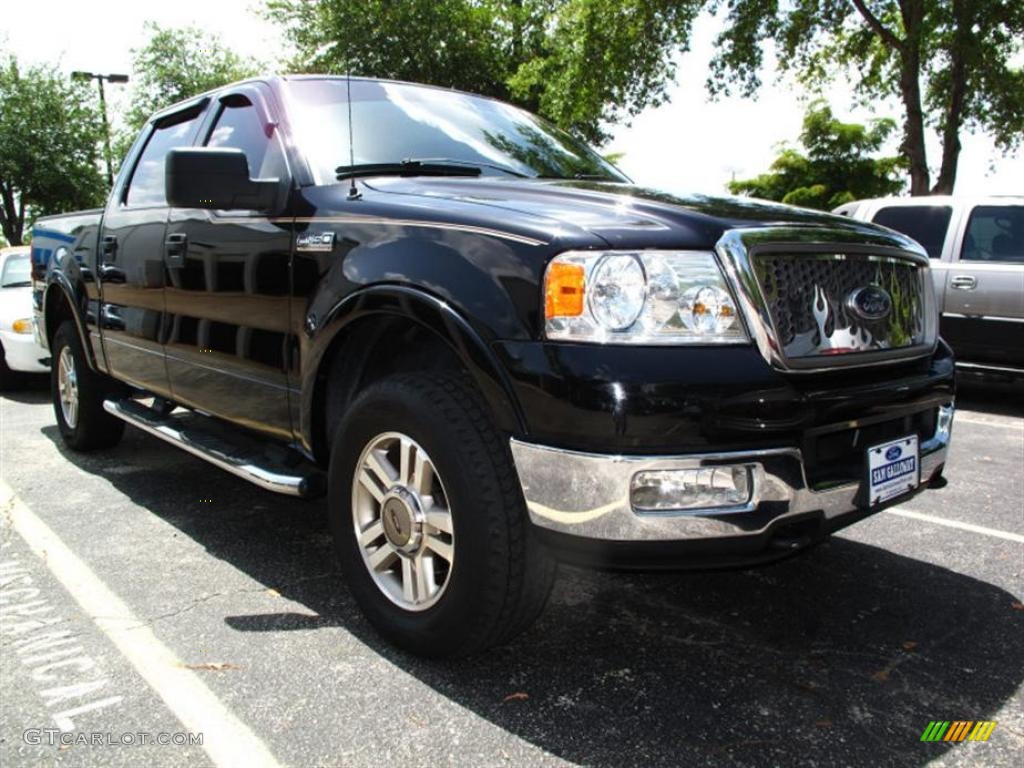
{"x": 78, "y": 395}
{"x": 429, "y": 521}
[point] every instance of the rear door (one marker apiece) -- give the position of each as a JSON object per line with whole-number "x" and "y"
{"x": 130, "y": 262}
{"x": 229, "y": 282}
{"x": 983, "y": 315}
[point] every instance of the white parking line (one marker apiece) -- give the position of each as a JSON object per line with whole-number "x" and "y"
{"x": 989, "y": 421}
{"x": 226, "y": 739}
{"x": 956, "y": 524}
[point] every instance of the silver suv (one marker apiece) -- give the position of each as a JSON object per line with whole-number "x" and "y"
{"x": 977, "y": 251}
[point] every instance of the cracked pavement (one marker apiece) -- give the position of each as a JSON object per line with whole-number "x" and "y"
{"x": 840, "y": 656}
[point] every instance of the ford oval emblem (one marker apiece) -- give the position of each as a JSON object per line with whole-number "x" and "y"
{"x": 871, "y": 302}
{"x": 893, "y": 453}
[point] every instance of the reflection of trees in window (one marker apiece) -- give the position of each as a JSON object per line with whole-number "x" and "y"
{"x": 542, "y": 153}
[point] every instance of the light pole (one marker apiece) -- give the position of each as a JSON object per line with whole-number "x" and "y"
{"x": 79, "y": 75}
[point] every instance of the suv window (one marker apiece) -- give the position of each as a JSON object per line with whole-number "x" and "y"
{"x": 239, "y": 126}
{"x": 995, "y": 233}
{"x": 17, "y": 271}
{"x": 147, "y": 183}
{"x": 925, "y": 223}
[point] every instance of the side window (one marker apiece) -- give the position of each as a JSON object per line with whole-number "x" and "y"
{"x": 147, "y": 183}
{"x": 995, "y": 233}
{"x": 925, "y": 223}
{"x": 239, "y": 126}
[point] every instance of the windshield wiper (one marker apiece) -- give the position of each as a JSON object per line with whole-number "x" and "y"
{"x": 19, "y": 284}
{"x": 475, "y": 164}
{"x": 406, "y": 168}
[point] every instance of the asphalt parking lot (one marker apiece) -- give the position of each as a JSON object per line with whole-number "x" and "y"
{"x": 183, "y": 600}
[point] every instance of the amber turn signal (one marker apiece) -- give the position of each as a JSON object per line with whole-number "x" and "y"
{"x": 23, "y": 325}
{"x": 563, "y": 291}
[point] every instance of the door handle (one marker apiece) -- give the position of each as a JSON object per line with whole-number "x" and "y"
{"x": 175, "y": 247}
{"x": 111, "y": 274}
{"x": 108, "y": 248}
{"x": 964, "y": 282}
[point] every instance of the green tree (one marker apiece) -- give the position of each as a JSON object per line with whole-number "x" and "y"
{"x": 50, "y": 134}
{"x": 581, "y": 63}
{"x": 835, "y": 167}
{"x": 176, "y": 63}
{"x": 949, "y": 62}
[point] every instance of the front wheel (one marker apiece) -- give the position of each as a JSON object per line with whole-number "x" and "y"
{"x": 429, "y": 521}
{"x": 78, "y": 395}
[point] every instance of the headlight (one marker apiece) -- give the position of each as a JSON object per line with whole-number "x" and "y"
{"x": 22, "y": 325}
{"x": 639, "y": 297}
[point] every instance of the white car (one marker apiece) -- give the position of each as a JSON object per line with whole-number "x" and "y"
{"x": 19, "y": 351}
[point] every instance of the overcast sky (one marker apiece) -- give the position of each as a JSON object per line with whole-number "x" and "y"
{"x": 687, "y": 144}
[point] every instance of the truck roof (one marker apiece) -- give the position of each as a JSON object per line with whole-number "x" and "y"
{"x": 274, "y": 80}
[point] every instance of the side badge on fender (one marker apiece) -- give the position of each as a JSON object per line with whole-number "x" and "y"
{"x": 314, "y": 241}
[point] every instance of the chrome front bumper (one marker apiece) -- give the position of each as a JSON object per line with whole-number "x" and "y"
{"x": 587, "y": 495}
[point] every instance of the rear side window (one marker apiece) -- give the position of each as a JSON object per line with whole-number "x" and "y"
{"x": 239, "y": 126}
{"x": 147, "y": 184}
{"x": 995, "y": 233}
{"x": 925, "y": 223}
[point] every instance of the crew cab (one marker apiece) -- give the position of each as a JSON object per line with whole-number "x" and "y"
{"x": 977, "y": 249}
{"x": 487, "y": 347}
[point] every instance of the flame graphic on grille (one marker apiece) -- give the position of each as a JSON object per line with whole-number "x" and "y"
{"x": 820, "y": 341}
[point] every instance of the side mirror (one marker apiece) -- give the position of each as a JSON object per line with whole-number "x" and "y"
{"x": 217, "y": 179}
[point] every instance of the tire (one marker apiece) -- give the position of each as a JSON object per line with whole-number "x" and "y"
{"x": 87, "y": 427}
{"x": 497, "y": 577}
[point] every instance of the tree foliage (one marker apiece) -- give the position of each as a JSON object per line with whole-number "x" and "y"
{"x": 949, "y": 62}
{"x": 835, "y": 166}
{"x": 174, "y": 64}
{"x": 50, "y": 134}
{"x": 581, "y": 63}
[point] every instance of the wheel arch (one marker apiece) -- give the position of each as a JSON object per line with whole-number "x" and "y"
{"x": 425, "y": 333}
{"x": 59, "y": 305}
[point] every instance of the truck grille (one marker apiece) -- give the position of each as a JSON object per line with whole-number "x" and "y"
{"x": 834, "y": 304}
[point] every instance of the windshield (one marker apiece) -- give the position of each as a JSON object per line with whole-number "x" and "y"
{"x": 17, "y": 271}
{"x": 393, "y": 122}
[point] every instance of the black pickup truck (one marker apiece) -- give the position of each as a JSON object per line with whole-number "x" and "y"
{"x": 487, "y": 347}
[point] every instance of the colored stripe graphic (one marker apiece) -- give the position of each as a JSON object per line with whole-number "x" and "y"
{"x": 983, "y": 731}
{"x": 958, "y": 730}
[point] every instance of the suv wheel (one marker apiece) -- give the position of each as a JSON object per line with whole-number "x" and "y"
{"x": 78, "y": 394}
{"x": 429, "y": 521}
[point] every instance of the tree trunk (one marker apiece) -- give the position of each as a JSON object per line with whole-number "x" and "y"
{"x": 912, "y": 12}
{"x": 11, "y": 220}
{"x": 953, "y": 119}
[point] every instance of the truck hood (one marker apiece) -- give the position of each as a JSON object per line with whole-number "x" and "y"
{"x": 623, "y": 215}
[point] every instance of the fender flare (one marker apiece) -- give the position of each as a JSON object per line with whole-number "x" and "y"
{"x": 59, "y": 282}
{"x": 438, "y": 317}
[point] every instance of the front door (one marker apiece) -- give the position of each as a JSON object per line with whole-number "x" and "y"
{"x": 131, "y": 259}
{"x": 983, "y": 312}
{"x": 227, "y": 296}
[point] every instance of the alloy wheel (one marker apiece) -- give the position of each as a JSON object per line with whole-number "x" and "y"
{"x": 67, "y": 386}
{"x": 402, "y": 521}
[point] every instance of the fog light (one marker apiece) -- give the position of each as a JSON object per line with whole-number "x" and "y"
{"x": 663, "y": 490}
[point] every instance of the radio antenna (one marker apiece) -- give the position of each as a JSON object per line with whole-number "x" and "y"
{"x": 353, "y": 193}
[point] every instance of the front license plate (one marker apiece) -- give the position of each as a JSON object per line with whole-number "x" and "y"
{"x": 893, "y": 469}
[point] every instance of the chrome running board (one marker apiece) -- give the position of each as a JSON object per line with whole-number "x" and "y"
{"x": 226, "y": 447}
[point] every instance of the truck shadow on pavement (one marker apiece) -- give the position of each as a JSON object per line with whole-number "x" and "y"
{"x": 842, "y": 655}
{"x": 995, "y": 397}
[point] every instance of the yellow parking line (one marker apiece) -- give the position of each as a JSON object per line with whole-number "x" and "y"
{"x": 226, "y": 739}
